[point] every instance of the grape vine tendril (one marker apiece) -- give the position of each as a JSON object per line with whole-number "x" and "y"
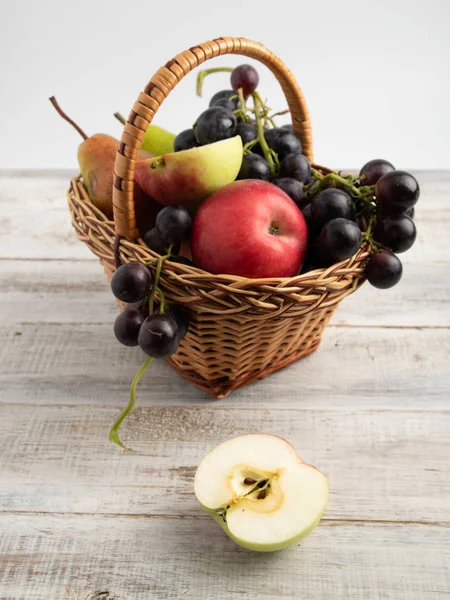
{"x": 113, "y": 432}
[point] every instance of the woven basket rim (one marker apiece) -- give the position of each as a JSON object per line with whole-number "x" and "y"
{"x": 236, "y": 282}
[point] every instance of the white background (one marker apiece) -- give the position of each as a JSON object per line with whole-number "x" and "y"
{"x": 376, "y": 74}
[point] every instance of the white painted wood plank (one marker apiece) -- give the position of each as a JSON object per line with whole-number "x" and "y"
{"x": 36, "y": 223}
{"x": 381, "y": 465}
{"x": 81, "y": 363}
{"x": 35, "y": 218}
{"x": 62, "y": 557}
{"x": 62, "y": 292}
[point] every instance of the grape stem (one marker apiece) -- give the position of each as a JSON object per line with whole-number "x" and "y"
{"x": 242, "y": 112}
{"x": 260, "y": 134}
{"x": 156, "y": 282}
{"x": 324, "y": 179}
{"x": 113, "y": 435}
{"x": 202, "y": 74}
{"x": 280, "y": 113}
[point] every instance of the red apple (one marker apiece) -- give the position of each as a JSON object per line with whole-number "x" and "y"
{"x": 250, "y": 228}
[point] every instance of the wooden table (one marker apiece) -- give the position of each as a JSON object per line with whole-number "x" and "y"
{"x": 80, "y": 520}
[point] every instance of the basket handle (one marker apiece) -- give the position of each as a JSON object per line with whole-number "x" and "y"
{"x": 159, "y": 87}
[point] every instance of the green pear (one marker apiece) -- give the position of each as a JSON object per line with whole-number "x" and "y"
{"x": 260, "y": 492}
{"x": 96, "y": 157}
{"x": 188, "y": 177}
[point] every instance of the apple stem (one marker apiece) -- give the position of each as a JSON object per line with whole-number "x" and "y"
{"x": 157, "y": 162}
{"x": 202, "y": 74}
{"x": 260, "y": 134}
{"x": 120, "y": 118}
{"x": 60, "y": 111}
{"x": 113, "y": 435}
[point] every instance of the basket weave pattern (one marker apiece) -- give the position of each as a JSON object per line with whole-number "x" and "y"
{"x": 241, "y": 329}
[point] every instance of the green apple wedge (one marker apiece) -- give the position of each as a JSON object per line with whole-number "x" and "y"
{"x": 188, "y": 177}
{"x": 260, "y": 492}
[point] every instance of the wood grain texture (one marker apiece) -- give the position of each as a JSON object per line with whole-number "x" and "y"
{"x": 81, "y": 363}
{"x": 79, "y": 520}
{"x": 44, "y": 447}
{"x": 168, "y": 558}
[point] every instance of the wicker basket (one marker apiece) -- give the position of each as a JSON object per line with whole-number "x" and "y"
{"x": 241, "y": 329}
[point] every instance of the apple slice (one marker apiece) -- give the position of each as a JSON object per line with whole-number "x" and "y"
{"x": 261, "y": 492}
{"x": 189, "y": 176}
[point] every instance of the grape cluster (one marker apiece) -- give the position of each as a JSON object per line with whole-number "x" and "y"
{"x": 341, "y": 213}
{"x": 173, "y": 227}
{"x": 290, "y": 169}
{"x": 159, "y": 335}
{"x": 377, "y": 207}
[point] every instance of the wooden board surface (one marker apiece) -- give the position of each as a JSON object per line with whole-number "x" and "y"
{"x": 79, "y": 520}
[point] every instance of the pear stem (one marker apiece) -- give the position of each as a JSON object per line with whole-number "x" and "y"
{"x": 120, "y": 118}
{"x": 67, "y": 118}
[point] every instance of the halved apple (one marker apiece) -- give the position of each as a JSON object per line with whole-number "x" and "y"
{"x": 261, "y": 492}
{"x": 189, "y": 176}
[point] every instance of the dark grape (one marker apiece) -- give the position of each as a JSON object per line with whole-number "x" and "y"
{"x": 215, "y": 124}
{"x": 310, "y": 264}
{"x": 245, "y": 77}
{"x": 174, "y": 224}
{"x": 273, "y": 134}
{"x": 397, "y": 232}
{"x": 397, "y": 191}
{"x": 284, "y": 144}
{"x": 157, "y": 243}
{"x": 225, "y": 95}
{"x": 127, "y": 326}
{"x": 158, "y": 336}
{"x": 410, "y": 212}
{"x": 181, "y": 318}
{"x": 306, "y": 211}
{"x": 293, "y": 188}
{"x": 254, "y": 167}
{"x": 131, "y": 282}
{"x": 384, "y": 270}
{"x": 338, "y": 240}
{"x": 185, "y": 140}
{"x": 331, "y": 204}
{"x": 225, "y": 103}
{"x": 373, "y": 170}
{"x": 296, "y": 166}
{"x": 288, "y": 127}
{"x": 247, "y": 131}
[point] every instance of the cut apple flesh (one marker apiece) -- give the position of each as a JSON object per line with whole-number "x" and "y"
{"x": 260, "y": 491}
